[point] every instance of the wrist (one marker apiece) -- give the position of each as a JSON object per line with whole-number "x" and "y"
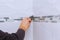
{"x": 22, "y": 28}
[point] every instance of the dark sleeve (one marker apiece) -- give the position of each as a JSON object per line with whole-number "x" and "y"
{"x": 19, "y": 35}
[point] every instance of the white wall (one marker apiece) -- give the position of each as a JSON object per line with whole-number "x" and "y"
{"x": 46, "y": 31}
{"x": 46, "y": 7}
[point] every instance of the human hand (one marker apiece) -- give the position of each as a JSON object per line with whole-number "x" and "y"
{"x": 25, "y": 23}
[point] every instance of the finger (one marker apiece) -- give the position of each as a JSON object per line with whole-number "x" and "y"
{"x": 26, "y": 19}
{"x": 29, "y": 19}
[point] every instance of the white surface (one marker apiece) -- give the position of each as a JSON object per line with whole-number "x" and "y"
{"x": 14, "y": 8}
{"x": 46, "y": 7}
{"x": 46, "y": 31}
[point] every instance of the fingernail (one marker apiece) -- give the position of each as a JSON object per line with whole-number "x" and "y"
{"x": 29, "y": 21}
